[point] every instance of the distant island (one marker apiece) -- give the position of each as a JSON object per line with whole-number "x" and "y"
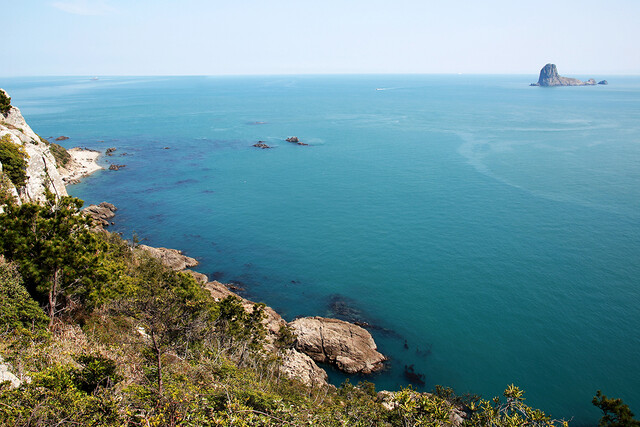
{"x": 549, "y": 77}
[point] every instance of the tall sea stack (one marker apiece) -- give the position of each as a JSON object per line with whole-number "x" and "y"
{"x": 549, "y": 77}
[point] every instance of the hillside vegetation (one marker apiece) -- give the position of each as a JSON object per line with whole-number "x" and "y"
{"x": 102, "y": 334}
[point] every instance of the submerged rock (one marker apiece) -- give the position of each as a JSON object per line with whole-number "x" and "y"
{"x": 343, "y": 344}
{"x": 62, "y": 138}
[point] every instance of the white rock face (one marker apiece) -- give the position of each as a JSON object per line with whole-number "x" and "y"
{"x": 5, "y": 375}
{"x": 41, "y": 169}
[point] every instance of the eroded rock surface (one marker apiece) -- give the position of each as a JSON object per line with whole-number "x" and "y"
{"x": 345, "y": 345}
{"x": 299, "y": 365}
{"x": 172, "y": 258}
{"x": 42, "y": 173}
{"x": 101, "y": 213}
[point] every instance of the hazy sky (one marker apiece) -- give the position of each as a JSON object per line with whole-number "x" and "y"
{"x": 209, "y": 37}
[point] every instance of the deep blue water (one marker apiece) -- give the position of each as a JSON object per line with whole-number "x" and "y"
{"x": 492, "y": 227}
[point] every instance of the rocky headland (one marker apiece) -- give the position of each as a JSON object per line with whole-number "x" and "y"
{"x": 549, "y": 77}
{"x": 345, "y": 345}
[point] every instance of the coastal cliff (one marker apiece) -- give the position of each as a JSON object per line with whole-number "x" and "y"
{"x": 41, "y": 168}
{"x": 549, "y": 77}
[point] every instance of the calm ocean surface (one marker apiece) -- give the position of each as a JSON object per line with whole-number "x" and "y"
{"x": 487, "y": 230}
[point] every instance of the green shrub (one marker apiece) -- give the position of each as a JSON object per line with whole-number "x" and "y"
{"x": 97, "y": 371}
{"x": 615, "y": 412}
{"x": 14, "y": 163}
{"x": 61, "y": 155}
{"x": 5, "y": 102}
{"x": 18, "y": 311}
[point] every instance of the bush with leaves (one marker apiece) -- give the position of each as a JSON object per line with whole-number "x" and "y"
{"x": 18, "y": 311}
{"x": 56, "y": 254}
{"x": 615, "y": 412}
{"x": 513, "y": 412}
{"x": 5, "y": 102}
{"x": 13, "y": 159}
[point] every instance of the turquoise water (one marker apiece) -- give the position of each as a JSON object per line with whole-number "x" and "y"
{"x": 488, "y": 231}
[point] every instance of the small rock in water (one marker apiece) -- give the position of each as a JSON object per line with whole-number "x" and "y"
{"x": 261, "y": 144}
{"x": 115, "y": 167}
{"x": 413, "y": 377}
{"x": 62, "y": 138}
{"x": 110, "y": 151}
{"x": 295, "y": 140}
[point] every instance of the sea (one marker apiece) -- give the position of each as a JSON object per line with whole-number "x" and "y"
{"x": 486, "y": 233}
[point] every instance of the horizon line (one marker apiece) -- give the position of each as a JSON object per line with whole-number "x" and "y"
{"x": 307, "y": 74}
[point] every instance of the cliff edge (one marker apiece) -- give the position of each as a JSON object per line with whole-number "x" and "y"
{"x": 41, "y": 169}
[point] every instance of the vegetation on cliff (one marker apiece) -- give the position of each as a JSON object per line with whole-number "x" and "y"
{"x": 14, "y": 162}
{"x": 5, "y": 102}
{"x": 103, "y": 334}
{"x": 60, "y": 153}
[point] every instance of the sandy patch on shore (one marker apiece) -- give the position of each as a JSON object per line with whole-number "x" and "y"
{"x": 83, "y": 163}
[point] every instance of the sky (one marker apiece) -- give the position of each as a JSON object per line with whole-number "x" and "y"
{"x": 224, "y": 37}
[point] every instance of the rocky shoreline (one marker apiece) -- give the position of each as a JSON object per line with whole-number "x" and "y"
{"x": 82, "y": 164}
{"x": 347, "y": 346}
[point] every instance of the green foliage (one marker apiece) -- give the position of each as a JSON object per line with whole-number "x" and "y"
{"x": 513, "y": 412}
{"x": 61, "y": 155}
{"x": 615, "y": 412}
{"x": 5, "y": 103}
{"x": 14, "y": 163}
{"x": 97, "y": 371}
{"x": 234, "y": 323}
{"x": 52, "y": 398}
{"x": 56, "y": 254}
{"x": 18, "y": 311}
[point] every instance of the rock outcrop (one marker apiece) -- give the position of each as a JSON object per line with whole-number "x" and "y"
{"x": 302, "y": 367}
{"x": 549, "y": 77}
{"x": 295, "y": 140}
{"x": 41, "y": 170}
{"x": 6, "y": 375}
{"x": 345, "y": 345}
{"x": 101, "y": 213}
{"x": 603, "y": 82}
{"x": 294, "y": 363}
{"x": 172, "y": 258}
{"x": 261, "y": 144}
